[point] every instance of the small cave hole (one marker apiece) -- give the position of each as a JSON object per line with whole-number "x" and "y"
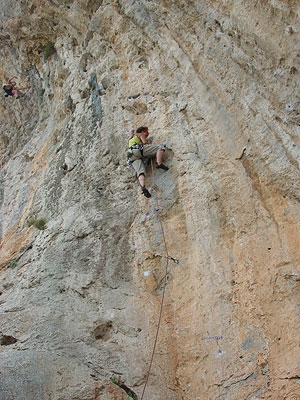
{"x": 102, "y": 331}
{"x": 293, "y": 71}
{"x": 6, "y": 340}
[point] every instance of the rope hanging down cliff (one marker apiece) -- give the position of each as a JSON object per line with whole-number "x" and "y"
{"x": 164, "y": 288}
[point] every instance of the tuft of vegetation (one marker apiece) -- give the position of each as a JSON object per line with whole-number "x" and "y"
{"x": 12, "y": 264}
{"x": 49, "y": 49}
{"x": 39, "y": 223}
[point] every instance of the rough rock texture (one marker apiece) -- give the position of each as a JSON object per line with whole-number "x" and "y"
{"x": 86, "y": 261}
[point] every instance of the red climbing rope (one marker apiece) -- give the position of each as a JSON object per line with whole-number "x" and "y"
{"x": 164, "y": 289}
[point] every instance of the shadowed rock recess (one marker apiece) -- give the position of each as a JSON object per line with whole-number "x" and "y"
{"x": 87, "y": 262}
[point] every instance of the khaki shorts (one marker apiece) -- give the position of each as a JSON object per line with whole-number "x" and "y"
{"x": 149, "y": 151}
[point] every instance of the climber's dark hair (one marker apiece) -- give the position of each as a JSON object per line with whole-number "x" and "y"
{"x": 141, "y": 129}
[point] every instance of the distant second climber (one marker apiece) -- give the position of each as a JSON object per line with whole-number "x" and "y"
{"x": 11, "y": 89}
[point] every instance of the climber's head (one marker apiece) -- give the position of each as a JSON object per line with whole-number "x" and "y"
{"x": 143, "y": 129}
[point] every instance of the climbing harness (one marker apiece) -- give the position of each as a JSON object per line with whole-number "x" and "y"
{"x": 135, "y": 143}
{"x": 168, "y": 257}
{"x": 137, "y": 147}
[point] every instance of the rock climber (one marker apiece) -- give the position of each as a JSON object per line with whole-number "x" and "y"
{"x": 140, "y": 149}
{"x": 11, "y": 88}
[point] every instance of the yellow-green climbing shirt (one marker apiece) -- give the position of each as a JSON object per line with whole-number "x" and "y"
{"x": 134, "y": 140}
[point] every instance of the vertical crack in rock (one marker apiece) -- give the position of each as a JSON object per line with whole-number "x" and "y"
{"x": 96, "y": 103}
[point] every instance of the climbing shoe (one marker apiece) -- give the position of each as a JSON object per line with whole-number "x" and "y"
{"x": 145, "y": 192}
{"x": 162, "y": 166}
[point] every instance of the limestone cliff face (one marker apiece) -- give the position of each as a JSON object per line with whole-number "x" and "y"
{"x": 87, "y": 262}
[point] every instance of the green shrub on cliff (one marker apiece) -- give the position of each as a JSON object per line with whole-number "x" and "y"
{"x": 39, "y": 223}
{"x": 49, "y": 49}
